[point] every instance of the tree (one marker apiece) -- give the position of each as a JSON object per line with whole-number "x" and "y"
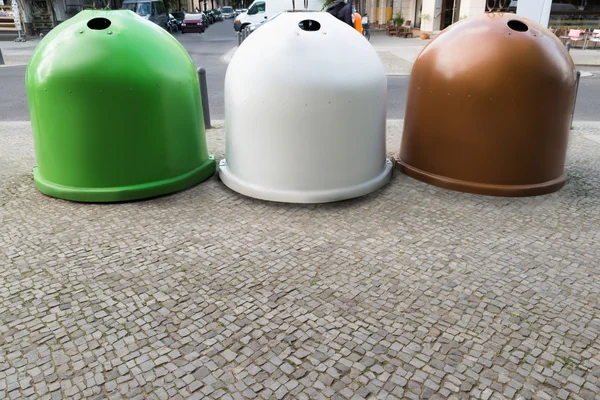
{"x": 327, "y": 4}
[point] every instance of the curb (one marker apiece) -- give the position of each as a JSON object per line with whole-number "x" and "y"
{"x": 220, "y": 123}
{"x": 12, "y": 65}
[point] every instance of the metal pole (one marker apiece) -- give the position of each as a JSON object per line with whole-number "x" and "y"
{"x": 1, "y": 58}
{"x": 575, "y": 100}
{"x": 204, "y": 93}
{"x": 239, "y": 35}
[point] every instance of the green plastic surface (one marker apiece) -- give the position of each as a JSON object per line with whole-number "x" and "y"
{"x": 116, "y": 112}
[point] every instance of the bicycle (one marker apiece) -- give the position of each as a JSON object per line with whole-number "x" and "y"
{"x": 497, "y": 5}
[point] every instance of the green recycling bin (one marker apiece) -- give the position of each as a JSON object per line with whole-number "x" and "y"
{"x": 115, "y": 111}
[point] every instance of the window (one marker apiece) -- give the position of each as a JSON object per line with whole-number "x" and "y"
{"x": 130, "y": 6}
{"x": 143, "y": 9}
{"x": 580, "y": 14}
{"x": 258, "y": 7}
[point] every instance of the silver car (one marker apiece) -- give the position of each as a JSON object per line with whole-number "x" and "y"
{"x": 227, "y": 12}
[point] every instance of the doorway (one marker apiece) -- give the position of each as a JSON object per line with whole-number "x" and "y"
{"x": 418, "y": 11}
{"x": 450, "y": 13}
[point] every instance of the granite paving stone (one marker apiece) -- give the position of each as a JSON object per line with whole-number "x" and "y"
{"x": 411, "y": 292}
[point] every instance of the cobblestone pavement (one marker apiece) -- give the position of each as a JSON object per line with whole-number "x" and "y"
{"x": 410, "y": 292}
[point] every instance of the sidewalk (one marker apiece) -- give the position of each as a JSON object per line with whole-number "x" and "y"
{"x": 411, "y": 292}
{"x": 586, "y": 58}
{"x": 16, "y": 53}
{"x": 398, "y": 54}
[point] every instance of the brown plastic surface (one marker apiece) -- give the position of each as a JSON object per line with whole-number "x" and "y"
{"x": 489, "y": 109}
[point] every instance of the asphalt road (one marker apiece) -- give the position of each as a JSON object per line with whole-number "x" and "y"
{"x": 207, "y": 50}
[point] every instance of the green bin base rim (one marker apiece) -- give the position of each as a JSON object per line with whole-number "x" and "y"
{"x": 126, "y": 193}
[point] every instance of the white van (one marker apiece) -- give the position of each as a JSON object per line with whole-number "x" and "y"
{"x": 261, "y": 10}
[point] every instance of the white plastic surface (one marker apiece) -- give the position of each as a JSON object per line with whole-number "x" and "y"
{"x": 305, "y": 113}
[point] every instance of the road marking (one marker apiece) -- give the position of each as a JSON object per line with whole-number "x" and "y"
{"x": 226, "y": 58}
{"x": 12, "y": 65}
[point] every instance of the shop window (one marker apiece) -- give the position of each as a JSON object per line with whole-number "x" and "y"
{"x": 582, "y": 14}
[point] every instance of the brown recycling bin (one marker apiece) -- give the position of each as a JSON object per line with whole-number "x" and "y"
{"x": 489, "y": 109}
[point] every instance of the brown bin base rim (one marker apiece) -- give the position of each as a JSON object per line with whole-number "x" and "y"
{"x": 482, "y": 188}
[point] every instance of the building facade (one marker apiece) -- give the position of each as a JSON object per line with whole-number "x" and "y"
{"x": 40, "y": 16}
{"x": 436, "y": 15}
{"x": 426, "y": 15}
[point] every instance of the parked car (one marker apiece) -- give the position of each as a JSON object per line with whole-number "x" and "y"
{"x": 260, "y": 10}
{"x": 152, "y": 10}
{"x": 227, "y": 12}
{"x": 238, "y": 12}
{"x": 172, "y": 25}
{"x": 211, "y": 17}
{"x": 218, "y": 15}
{"x": 205, "y": 20}
{"x": 192, "y": 23}
{"x": 178, "y": 15}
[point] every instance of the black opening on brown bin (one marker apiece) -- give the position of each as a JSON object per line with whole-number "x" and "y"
{"x": 517, "y": 26}
{"x": 98, "y": 24}
{"x": 309, "y": 25}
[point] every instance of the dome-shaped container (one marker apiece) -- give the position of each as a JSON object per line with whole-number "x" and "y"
{"x": 115, "y": 110}
{"x": 305, "y": 104}
{"x": 489, "y": 109}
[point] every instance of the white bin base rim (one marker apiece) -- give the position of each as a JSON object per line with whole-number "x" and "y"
{"x": 304, "y": 196}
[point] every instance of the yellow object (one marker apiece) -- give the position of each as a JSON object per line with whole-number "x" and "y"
{"x": 376, "y": 14}
{"x": 358, "y": 23}
{"x": 388, "y": 14}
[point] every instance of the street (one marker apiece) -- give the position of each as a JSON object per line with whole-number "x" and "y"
{"x": 207, "y": 50}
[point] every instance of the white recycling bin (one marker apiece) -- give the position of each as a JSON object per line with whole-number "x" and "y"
{"x": 305, "y": 112}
